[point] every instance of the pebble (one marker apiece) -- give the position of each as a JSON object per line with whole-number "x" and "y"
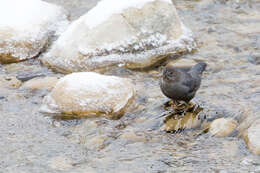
{"x": 46, "y": 83}
{"x": 27, "y": 76}
{"x": 9, "y": 81}
{"x": 96, "y": 142}
{"x": 132, "y": 136}
{"x": 60, "y": 163}
{"x": 222, "y": 127}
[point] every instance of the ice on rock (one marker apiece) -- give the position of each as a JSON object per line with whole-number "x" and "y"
{"x": 134, "y": 34}
{"x": 90, "y": 94}
{"x": 26, "y": 26}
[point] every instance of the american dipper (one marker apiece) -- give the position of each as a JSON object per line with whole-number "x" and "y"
{"x": 180, "y": 85}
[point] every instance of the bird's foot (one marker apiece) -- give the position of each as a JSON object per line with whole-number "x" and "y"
{"x": 182, "y": 107}
{"x": 179, "y": 106}
{"x": 191, "y": 107}
{"x": 168, "y": 104}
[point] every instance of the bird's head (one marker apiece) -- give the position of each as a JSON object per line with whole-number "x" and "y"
{"x": 170, "y": 73}
{"x": 203, "y": 66}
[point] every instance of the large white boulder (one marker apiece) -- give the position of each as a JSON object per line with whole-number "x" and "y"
{"x": 90, "y": 94}
{"x": 26, "y": 27}
{"x": 130, "y": 33}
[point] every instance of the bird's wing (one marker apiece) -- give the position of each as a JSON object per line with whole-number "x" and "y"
{"x": 191, "y": 83}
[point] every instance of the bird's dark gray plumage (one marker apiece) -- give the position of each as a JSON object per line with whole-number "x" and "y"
{"x": 180, "y": 85}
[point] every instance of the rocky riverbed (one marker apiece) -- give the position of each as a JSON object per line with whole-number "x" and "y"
{"x": 228, "y": 40}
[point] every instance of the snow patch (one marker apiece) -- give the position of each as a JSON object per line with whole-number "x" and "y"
{"x": 161, "y": 47}
{"x": 17, "y": 13}
{"x": 106, "y": 8}
{"x": 89, "y": 80}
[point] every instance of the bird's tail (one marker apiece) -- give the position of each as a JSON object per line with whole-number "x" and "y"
{"x": 198, "y": 68}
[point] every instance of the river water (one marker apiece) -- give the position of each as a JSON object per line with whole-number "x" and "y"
{"x": 229, "y": 38}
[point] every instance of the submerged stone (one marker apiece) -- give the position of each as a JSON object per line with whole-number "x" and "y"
{"x": 28, "y": 76}
{"x": 133, "y": 34}
{"x": 40, "y": 83}
{"x": 60, "y": 163}
{"x": 26, "y": 27}
{"x": 7, "y": 81}
{"x": 90, "y": 94}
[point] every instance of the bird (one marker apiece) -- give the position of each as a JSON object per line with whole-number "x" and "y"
{"x": 180, "y": 85}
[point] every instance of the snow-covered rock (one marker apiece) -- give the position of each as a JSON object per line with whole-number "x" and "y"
{"x": 26, "y": 26}
{"x": 90, "y": 94}
{"x": 134, "y": 34}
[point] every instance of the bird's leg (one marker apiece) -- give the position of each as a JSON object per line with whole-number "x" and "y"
{"x": 183, "y": 104}
{"x": 168, "y": 104}
{"x": 182, "y": 107}
{"x": 177, "y": 106}
{"x": 175, "y": 103}
{"x": 191, "y": 107}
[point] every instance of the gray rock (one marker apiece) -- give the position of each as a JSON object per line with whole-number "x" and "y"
{"x": 28, "y": 76}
